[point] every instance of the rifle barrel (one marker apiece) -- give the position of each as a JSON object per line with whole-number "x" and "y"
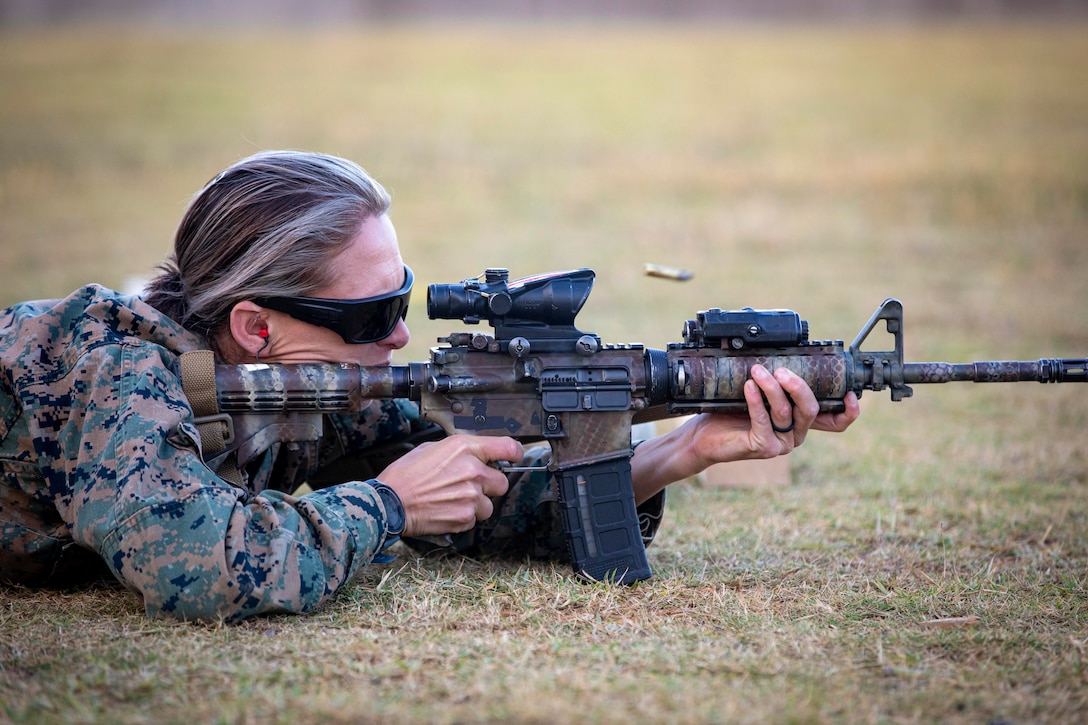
{"x": 1046, "y": 370}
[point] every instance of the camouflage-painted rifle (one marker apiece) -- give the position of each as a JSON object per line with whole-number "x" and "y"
{"x": 538, "y": 378}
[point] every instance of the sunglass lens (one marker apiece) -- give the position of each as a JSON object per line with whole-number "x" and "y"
{"x": 379, "y": 319}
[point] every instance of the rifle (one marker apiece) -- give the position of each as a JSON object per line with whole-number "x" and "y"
{"x": 536, "y": 377}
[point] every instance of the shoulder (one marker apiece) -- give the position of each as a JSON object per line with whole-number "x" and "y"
{"x": 49, "y": 338}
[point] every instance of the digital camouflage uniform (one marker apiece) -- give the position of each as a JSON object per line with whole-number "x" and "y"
{"x": 100, "y": 463}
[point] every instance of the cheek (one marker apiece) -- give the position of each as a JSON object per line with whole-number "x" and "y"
{"x": 365, "y": 354}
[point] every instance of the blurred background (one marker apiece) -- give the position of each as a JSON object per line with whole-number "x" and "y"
{"x": 819, "y": 156}
{"x": 295, "y": 12}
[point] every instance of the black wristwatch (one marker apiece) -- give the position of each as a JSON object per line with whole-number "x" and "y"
{"x": 394, "y": 509}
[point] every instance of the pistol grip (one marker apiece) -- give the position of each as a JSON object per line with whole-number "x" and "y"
{"x": 601, "y": 522}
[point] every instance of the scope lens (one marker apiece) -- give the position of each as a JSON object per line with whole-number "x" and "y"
{"x": 448, "y": 302}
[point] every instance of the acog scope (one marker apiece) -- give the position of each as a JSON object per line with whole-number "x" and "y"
{"x": 545, "y": 300}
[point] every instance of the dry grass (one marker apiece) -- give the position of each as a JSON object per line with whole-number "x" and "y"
{"x": 816, "y": 169}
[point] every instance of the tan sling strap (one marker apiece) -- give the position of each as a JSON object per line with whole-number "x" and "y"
{"x": 198, "y": 382}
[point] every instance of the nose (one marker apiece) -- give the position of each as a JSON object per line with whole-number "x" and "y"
{"x": 398, "y": 338}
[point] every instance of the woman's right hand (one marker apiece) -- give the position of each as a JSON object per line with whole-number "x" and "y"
{"x": 446, "y": 486}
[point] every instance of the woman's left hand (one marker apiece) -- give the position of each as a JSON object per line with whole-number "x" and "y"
{"x": 782, "y": 409}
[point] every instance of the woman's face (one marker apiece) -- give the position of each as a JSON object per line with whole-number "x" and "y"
{"x": 369, "y": 266}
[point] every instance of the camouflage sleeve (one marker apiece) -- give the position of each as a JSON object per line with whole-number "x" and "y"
{"x": 191, "y": 544}
{"x": 384, "y": 422}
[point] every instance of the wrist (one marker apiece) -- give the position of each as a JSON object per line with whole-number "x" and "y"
{"x": 705, "y": 446}
{"x": 395, "y": 518}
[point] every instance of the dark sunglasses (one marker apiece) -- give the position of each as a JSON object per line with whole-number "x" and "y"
{"x": 357, "y": 321}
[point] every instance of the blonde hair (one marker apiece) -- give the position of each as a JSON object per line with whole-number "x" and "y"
{"x": 267, "y": 226}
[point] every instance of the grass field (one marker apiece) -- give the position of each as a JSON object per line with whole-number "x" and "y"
{"x": 817, "y": 169}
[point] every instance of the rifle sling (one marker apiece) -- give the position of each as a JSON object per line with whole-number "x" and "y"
{"x": 198, "y": 382}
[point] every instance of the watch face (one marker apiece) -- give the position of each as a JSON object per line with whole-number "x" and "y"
{"x": 394, "y": 510}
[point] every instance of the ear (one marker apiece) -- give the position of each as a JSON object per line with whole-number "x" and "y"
{"x": 249, "y": 326}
